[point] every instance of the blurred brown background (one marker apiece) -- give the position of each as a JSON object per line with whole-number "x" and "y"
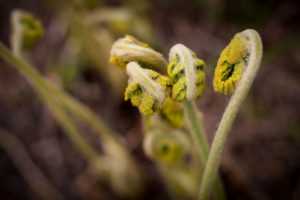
{"x": 262, "y": 155}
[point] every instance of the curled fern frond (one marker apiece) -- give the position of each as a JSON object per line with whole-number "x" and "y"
{"x": 236, "y": 70}
{"x": 26, "y": 30}
{"x": 168, "y": 147}
{"x": 187, "y": 72}
{"x": 231, "y": 65}
{"x": 147, "y": 89}
{"x": 129, "y": 49}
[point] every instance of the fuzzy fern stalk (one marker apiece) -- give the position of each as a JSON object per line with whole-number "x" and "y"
{"x": 235, "y": 72}
{"x": 186, "y": 70}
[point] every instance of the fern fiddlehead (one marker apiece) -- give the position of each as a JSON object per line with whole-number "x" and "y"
{"x": 243, "y": 55}
{"x": 147, "y": 89}
{"x": 187, "y": 72}
{"x": 231, "y": 65}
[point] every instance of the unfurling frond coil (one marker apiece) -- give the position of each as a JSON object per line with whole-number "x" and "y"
{"x": 231, "y": 65}
{"x": 147, "y": 89}
{"x": 187, "y": 72}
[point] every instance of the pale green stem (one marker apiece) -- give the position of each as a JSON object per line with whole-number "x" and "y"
{"x": 190, "y": 110}
{"x": 66, "y": 122}
{"x": 68, "y": 102}
{"x": 254, "y": 60}
{"x": 95, "y": 160}
{"x": 36, "y": 80}
{"x": 201, "y": 142}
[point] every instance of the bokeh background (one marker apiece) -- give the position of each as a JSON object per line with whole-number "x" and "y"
{"x": 262, "y": 156}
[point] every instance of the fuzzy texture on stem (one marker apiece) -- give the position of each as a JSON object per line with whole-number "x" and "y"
{"x": 194, "y": 120}
{"x": 254, "y": 47}
{"x": 196, "y": 129}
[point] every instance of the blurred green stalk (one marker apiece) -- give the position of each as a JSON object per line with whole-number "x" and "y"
{"x": 60, "y": 102}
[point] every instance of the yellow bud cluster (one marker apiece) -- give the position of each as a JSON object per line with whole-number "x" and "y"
{"x": 141, "y": 98}
{"x": 181, "y": 61}
{"x": 231, "y": 64}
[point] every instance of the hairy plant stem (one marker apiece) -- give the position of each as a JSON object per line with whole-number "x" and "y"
{"x": 196, "y": 129}
{"x": 201, "y": 143}
{"x": 254, "y": 60}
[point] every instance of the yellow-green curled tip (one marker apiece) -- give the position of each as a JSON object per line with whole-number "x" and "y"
{"x": 187, "y": 72}
{"x": 147, "y": 89}
{"x": 231, "y": 64}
